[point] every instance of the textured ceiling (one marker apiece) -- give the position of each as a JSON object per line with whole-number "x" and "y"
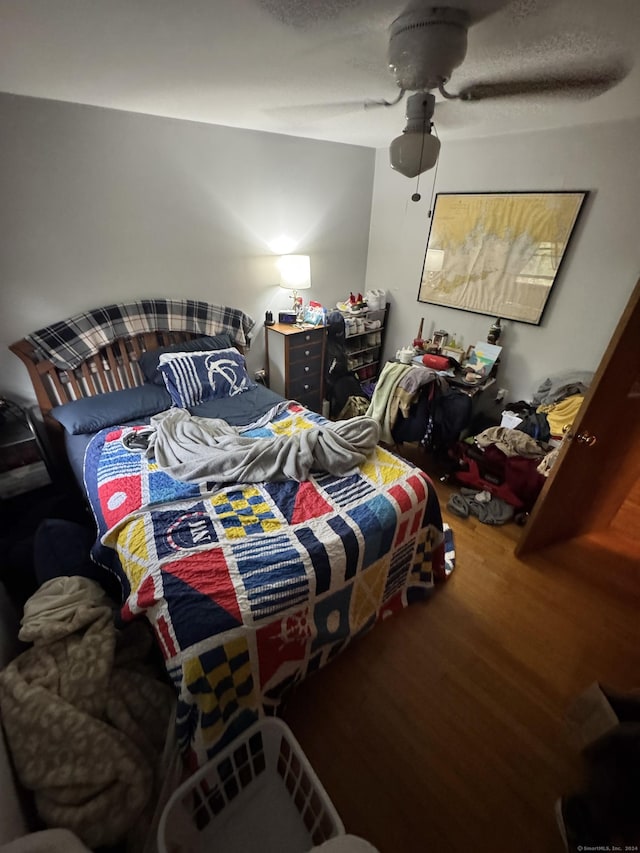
{"x": 305, "y": 67}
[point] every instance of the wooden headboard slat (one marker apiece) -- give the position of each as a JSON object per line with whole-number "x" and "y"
{"x": 74, "y": 385}
{"x": 54, "y": 378}
{"x": 116, "y": 383}
{"x": 124, "y": 354}
{"x": 153, "y": 340}
{"x": 89, "y": 382}
{"x": 137, "y": 349}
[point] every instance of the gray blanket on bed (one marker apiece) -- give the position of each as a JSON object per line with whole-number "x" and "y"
{"x": 198, "y": 450}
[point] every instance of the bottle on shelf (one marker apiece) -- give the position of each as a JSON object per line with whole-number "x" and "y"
{"x": 495, "y": 330}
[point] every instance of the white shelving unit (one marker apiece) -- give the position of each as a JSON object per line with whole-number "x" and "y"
{"x": 364, "y": 340}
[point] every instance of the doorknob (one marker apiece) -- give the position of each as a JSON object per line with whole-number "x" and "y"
{"x": 582, "y": 437}
{"x": 586, "y": 438}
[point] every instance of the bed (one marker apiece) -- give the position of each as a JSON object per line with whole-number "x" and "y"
{"x": 250, "y": 585}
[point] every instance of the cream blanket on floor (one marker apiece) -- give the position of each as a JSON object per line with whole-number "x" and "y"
{"x": 84, "y": 721}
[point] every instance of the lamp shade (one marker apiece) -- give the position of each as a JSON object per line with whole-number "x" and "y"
{"x": 414, "y": 152}
{"x": 295, "y": 272}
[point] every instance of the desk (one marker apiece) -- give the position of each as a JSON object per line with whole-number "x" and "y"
{"x": 471, "y": 390}
{"x": 439, "y": 420}
{"x": 458, "y": 381}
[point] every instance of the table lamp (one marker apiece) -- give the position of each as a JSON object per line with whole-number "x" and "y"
{"x": 295, "y": 275}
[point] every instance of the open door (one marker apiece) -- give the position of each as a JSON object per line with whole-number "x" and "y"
{"x": 599, "y": 462}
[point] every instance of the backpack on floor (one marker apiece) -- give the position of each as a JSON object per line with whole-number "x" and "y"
{"x": 340, "y": 382}
{"x": 355, "y": 406}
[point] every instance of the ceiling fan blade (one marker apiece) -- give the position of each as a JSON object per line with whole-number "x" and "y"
{"x": 570, "y": 84}
{"x": 317, "y": 112}
{"x": 331, "y": 109}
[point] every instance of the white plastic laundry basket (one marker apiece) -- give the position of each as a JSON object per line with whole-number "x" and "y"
{"x": 259, "y": 795}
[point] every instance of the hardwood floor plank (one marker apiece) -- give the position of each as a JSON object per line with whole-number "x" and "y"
{"x": 443, "y": 730}
{"x": 625, "y": 522}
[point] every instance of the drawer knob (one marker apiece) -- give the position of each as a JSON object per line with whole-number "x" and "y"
{"x": 307, "y": 352}
{"x": 307, "y": 337}
{"x": 306, "y": 387}
{"x": 307, "y": 368}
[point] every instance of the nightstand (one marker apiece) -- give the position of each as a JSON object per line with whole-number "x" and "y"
{"x": 295, "y": 363}
{"x": 23, "y": 463}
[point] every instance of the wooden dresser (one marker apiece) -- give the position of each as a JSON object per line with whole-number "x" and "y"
{"x": 295, "y": 363}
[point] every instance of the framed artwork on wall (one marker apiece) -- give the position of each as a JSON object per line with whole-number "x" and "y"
{"x": 498, "y": 253}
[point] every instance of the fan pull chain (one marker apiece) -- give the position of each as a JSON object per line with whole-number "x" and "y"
{"x": 416, "y": 195}
{"x": 435, "y": 176}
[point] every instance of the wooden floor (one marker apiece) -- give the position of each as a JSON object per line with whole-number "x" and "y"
{"x": 442, "y": 730}
{"x": 625, "y": 522}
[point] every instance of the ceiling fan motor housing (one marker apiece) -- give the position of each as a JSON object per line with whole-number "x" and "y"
{"x": 419, "y": 111}
{"x": 426, "y": 45}
{"x": 416, "y": 150}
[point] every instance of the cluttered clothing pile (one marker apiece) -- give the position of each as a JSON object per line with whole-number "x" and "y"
{"x": 397, "y": 390}
{"x": 499, "y": 470}
{"x": 560, "y": 416}
{"x": 554, "y": 406}
{"x": 503, "y": 469}
{"x": 481, "y": 504}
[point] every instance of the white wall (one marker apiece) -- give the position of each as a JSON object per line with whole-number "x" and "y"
{"x": 599, "y": 271}
{"x": 101, "y": 206}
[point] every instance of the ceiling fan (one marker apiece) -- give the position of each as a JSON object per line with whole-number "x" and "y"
{"x": 426, "y": 45}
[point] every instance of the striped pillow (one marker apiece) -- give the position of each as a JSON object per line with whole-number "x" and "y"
{"x": 195, "y": 377}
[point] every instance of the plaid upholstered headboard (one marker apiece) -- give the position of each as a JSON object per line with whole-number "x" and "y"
{"x": 98, "y": 351}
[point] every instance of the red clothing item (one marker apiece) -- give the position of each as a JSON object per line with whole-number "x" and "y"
{"x": 513, "y": 478}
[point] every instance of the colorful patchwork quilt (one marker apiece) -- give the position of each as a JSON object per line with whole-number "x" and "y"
{"x": 250, "y": 588}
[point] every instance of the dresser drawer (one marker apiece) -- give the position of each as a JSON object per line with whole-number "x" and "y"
{"x": 308, "y": 368}
{"x": 304, "y": 385}
{"x": 306, "y": 345}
